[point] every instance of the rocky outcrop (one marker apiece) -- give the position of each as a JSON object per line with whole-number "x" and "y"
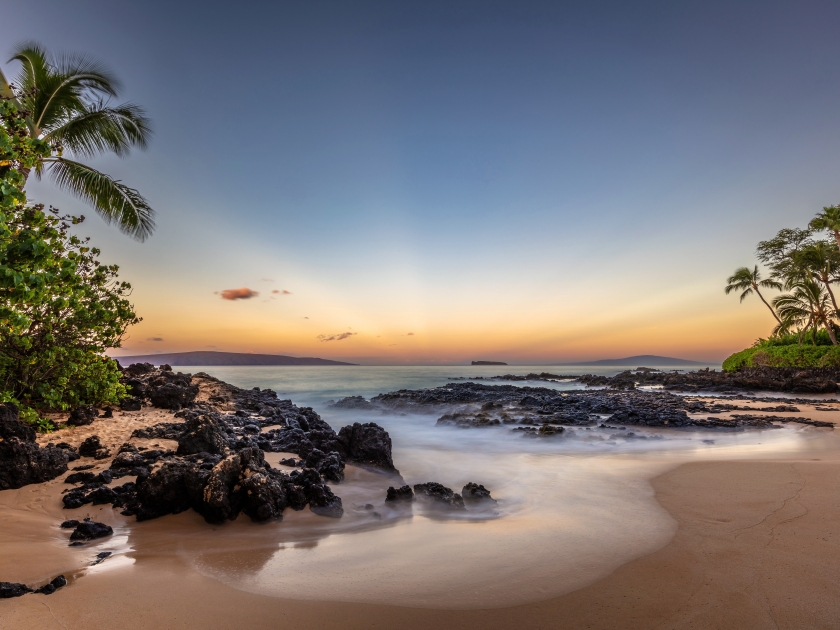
{"x": 92, "y": 447}
{"x": 368, "y": 445}
{"x": 83, "y": 416}
{"x": 472, "y": 405}
{"x": 90, "y": 530}
{"x": 476, "y": 495}
{"x": 436, "y": 495}
{"x": 12, "y": 427}
{"x": 161, "y": 387}
{"x": 403, "y": 494}
{"x": 23, "y": 462}
{"x": 204, "y": 433}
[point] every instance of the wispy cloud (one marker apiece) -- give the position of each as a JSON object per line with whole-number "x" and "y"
{"x": 410, "y": 335}
{"x": 337, "y": 337}
{"x": 267, "y": 279}
{"x": 243, "y": 293}
{"x": 283, "y": 292}
{"x": 154, "y": 339}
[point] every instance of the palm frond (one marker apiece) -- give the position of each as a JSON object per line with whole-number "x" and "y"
{"x": 103, "y": 128}
{"x": 114, "y": 201}
{"x": 59, "y": 87}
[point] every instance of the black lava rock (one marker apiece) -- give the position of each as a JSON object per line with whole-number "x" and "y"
{"x": 13, "y": 589}
{"x": 82, "y": 416}
{"x": 439, "y": 496}
{"x": 22, "y": 463}
{"x": 399, "y": 495}
{"x": 89, "y": 530}
{"x": 475, "y": 495}
{"x": 53, "y": 586}
{"x": 367, "y": 444}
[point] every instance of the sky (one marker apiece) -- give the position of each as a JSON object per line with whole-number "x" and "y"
{"x": 438, "y": 182}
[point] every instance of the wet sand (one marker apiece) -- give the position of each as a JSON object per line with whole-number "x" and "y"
{"x": 756, "y": 546}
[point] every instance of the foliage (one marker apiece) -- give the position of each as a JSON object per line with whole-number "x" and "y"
{"x": 60, "y": 308}
{"x": 802, "y": 356}
{"x": 66, "y": 99}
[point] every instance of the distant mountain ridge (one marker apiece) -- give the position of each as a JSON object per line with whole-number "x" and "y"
{"x": 204, "y": 357}
{"x": 642, "y": 360}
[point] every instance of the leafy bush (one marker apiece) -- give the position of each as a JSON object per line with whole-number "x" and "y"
{"x": 60, "y": 308}
{"x": 784, "y": 356}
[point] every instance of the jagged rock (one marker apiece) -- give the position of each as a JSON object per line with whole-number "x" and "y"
{"x": 107, "y": 412}
{"x": 173, "y": 395}
{"x": 356, "y": 403}
{"x": 163, "y": 430}
{"x": 11, "y": 425}
{"x": 131, "y": 403}
{"x": 139, "y": 369}
{"x": 72, "y": 453}
{"x": 439, "y": 496}
{"x": 399, "y": 495}
{"x": 204, "y": 434}
{"x": 475, "y": 495}
{"x": 367, "y": 444}
{"x": 92, "y": 447}
{"x": 80, "y": 477}
{"x": 53, "y": 586}
{"x": 82, "y": 416}
{"x": 89, "y": 530}
{"x": 173, "y": 488}
{"x": 13, "y": 589}
{"x": 22, "y": 463}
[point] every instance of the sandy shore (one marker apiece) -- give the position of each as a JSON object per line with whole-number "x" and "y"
{"x": 756, "y": 547}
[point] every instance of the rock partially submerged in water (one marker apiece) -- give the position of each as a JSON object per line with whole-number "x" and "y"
{"x": 476, "y": 495}
{"x": 90, "y": 530}
{"x": 403, "y": 494}
{"x": 437, "y": 495}
{"x": 367, "y": 444}
{"x": 472, "y": 405}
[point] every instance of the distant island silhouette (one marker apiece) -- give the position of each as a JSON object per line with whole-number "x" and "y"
{"x": 203, "y": 357}
{"x": 642, "y": 360}
{"x": 489, "y": 363}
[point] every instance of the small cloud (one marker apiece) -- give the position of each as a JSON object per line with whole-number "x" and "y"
{"x": 286, "y": 292}
{"x": 239, "y": 294}
{"x": 338, "y": 337}
{"x": 305, "y": 318}
{"x": 155, "y": 339}
{"x": 410, "y": 335}
{"x": 266, "y": 279}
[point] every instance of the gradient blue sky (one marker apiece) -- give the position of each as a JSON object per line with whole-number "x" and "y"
{"x": 526, "y": 181}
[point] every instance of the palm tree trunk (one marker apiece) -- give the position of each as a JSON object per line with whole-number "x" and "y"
{"x": 837, "y": 237}
{"x": 831, "y": 293}
{"x": 772, "y": 310}
{"x": 831, "y": 334}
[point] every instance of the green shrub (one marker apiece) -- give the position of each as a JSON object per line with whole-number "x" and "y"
{"x": 766, "y": 355}
{"x": 60, "y": 308}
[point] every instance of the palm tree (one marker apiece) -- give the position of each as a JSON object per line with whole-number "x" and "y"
{"x": 807, "y": 302}
{"x": 747, "y": 281}
{"x": 821, "y": 260}
{"x": 828, "y": 219}
{"x": 66, "y": 101}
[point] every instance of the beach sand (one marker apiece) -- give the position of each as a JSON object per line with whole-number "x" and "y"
{"x": 756, "y": 546}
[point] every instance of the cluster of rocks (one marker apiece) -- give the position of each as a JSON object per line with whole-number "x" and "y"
{"x": 794, "y": 380}
{"x": 437, "y": 496}
{"x": 161, "y": 387}
{"x": 22, "y": 460}
{"x": 16, "y": 589}
{"x": 474, "y": 405}
{"x": 219, "y": 467}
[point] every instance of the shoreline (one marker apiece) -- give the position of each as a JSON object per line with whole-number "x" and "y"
{"x": 753, "y": 548}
